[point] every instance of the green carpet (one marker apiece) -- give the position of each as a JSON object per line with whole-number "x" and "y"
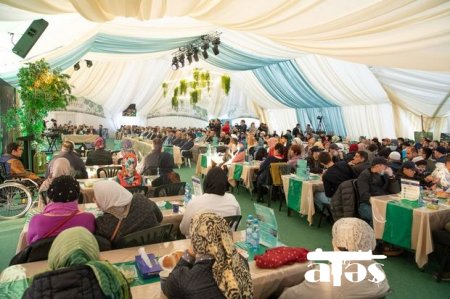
{"x": 405, "y": 279}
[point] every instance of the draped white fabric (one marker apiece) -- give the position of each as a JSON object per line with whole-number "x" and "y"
{"x": 281, "y": 119}
{"x": 407, "y": 34}
{"x": 176, "y": 121}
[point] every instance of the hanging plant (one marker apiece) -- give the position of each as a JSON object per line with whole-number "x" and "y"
{"x": 193, "y": 84}
{"x": 196, "y": 74}
{"x": 164, "y": 86}
{"x": 195, "y": 96}
{"x": 175, "y": 102}
{"x": 183, "y": 86}
{"x": 226, "y": 82}
{"x": 204, "y": 78}
{"x": 41, "y": 90}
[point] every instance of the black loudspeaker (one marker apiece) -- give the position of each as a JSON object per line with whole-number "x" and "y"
{"x": 30, "y": 37}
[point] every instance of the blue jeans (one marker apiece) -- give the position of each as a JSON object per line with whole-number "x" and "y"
{"x": 320, "y": 198}
{"x": 365, "y": 211}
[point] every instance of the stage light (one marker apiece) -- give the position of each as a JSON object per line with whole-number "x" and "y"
{"x": 181, "y": 60}
{"x": 196, "y": 50}
{"x": 215, "y": 42}
{"x": 76, "y": 66}
{"x": 189, "y": 56}
{"x": 88, "y": 63}
{"x": 205, "y": 47}
{"x": 174, "y": 63}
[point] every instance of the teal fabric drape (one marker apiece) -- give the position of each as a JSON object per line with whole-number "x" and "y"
{"x": 230, "y": 58}
{"x": 286, "y": 83}
{"x": 333, "y": 121}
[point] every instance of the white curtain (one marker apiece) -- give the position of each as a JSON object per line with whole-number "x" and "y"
{"x": 177, "y": 121}
{"x": 281, "y": 120}
{"x": 407, "y": 34}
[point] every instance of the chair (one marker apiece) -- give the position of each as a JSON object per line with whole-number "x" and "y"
{"x": 284, "y": 170}
{"x": 326, "y": 208}
{"x": 186, "y": 155}
{"x": 170, "y": 189}
{"x": 274, "y": 179}
{"x": 233, "y": 221}
{"x": 38, "y": 251}
{"x": 221, "y": 148}
{"x": 108, "y": 171}
{"x": 441, "y": 240}
{"x": 138, "y": 189}
{"x": 153, "y": 235}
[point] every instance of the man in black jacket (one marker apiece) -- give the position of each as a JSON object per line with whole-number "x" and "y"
{"x": 67, "y": 151}
{"x": 374, "y": 181}
{"x": 313, "y": 160}
{"x": 99, "y": 156}
{"x": 335, "y": 174}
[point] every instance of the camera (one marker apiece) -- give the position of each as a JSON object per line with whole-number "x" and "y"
{"x": 319, "y": 117}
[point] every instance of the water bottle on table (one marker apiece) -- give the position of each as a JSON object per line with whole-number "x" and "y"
{"x": 249, "y": 231}
{"x": 187, "y": 194}
{"x": 255, "y": 235}
{"x": 420, "y": 201}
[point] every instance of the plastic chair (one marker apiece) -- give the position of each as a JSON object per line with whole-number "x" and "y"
{"x": 233, "y": 221}
{"x": 109, "y": 171}
{"x": 275, "y": 179}
{"x": 441, "y": 240}
{"x": 186, "y": 155}
{"x": 284, "y": 169}
{"x": 170, "y": 189}
{"x": 153, "y": 235}
{"x": 138, "y": 189}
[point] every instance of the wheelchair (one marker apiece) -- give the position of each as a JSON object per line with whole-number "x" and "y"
{"x": 16, "y": 195}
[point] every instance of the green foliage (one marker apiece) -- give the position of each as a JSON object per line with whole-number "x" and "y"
{"x": 183, "y": 86}
{"x": 195, "y": 95}
{"x": 164, "y": 86}
{"x": 226, "y": 83}
{"x": 175, "y": 102}
{"x": 196, "y": 74}
{"x": 41, "y": 90}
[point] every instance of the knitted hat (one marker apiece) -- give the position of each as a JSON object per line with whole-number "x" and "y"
{"x": 64, "y": 189}
{"x": 379, "y": 160}
{"x": 395, "y": 156}
{"x": 353, "y": 148}
{"x": 417, "y": 159}
{"x": 409, "y": 165}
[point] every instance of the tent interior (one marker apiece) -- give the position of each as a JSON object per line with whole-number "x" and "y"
{"x": 369, "y": 68}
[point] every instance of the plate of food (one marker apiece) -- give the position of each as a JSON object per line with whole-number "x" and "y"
{"x": 169, "y": 261}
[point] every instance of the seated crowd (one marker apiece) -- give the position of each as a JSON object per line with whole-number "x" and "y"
{"x": 212, "y": 267}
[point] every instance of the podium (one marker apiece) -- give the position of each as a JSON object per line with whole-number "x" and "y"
{"x": 28, "y": 159}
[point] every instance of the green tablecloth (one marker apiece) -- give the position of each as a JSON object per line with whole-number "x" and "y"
{"x": 398, "y": 227}
{"x": 204, "y": 161}
{"x": 294, "y": 192}
{"x": 168, "y": 149}
{"x": 237, "y": 171}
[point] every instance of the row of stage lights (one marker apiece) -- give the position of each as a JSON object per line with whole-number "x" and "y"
{"x": 191, "y": 51}
{"x": 76, "y": 66}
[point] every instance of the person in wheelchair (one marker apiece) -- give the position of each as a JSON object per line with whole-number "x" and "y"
{"x": 13, "y": 165}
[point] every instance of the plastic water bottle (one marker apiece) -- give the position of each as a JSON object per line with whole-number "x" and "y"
{"x": 420, "y": 201}
{"x": 187, "y": 194}
{"x": 249, "y": 231}
{"x": 255, "y": 235}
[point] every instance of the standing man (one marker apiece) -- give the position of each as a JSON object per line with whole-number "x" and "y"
{"x": 296, "y": 131}
{"x": 100, "y": 130}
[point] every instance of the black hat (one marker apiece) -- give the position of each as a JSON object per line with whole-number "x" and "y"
{"x": 64, "y": 189}
{"x": 441, "y": 149}
{"x": 316, "y": 149}
{"x": 409, "y": 165}
{"x": 379, "y": 160}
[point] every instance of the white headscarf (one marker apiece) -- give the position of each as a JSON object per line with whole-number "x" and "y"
{"x": 110, "y": 195}
{"x": 60, "y": 167}
{"x": 353, "y": 234}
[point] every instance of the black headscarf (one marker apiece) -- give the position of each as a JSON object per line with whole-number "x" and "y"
{"x": 64, "y": 189}
{"x": 216, "y": 181}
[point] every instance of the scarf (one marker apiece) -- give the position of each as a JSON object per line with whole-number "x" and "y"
{"x": 128, "y": 176}
{"x": 112, "y": 198}
{"x": 210, "y": 235}
{"x": 77, "y": 246}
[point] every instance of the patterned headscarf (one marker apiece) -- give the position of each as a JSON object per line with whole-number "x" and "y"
{"x": 64, "y": 189}
{"x": 353, "y": 234}
{"x": 128, "y": 176}
{"x": 77, "y": 246}
{"x": 210, "y": 235}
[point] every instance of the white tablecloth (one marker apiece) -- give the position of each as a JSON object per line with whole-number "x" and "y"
{"x": 79, "y": 138}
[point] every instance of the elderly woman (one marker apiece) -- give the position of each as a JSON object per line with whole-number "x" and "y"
{"x": 60, "y": 167}
{"x": 211, "y": 268}
{"x": 215, "y": 199}
{"x": 124, "y": 213}
{"x": 61, "y": 213}
{"x": 349, "y": 234}
{"x": 128, "y": 176}
{"x": 99, "y": 156}
{"x": 76, "y": 270}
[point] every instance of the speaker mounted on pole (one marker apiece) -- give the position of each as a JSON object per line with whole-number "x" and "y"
{"x": 30, "y": 37}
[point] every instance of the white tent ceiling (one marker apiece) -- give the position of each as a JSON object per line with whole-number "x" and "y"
{"x": 385, "y": 62}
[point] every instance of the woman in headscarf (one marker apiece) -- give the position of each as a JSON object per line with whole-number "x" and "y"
{"x": 61, "y": 212}
{"x": 76, "y": 270}
{"x": 211, "y": 268}
{"x": 349, "y": 234}
{"x": 99, "y": 156}
{"x": 128, "y": 176}
{"x": 123, "y": 212}
{"x": 60, "y": 167}
{"x": 215, "y": 199}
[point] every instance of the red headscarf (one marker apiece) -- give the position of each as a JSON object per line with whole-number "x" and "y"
{"x": 127, "y": 179}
